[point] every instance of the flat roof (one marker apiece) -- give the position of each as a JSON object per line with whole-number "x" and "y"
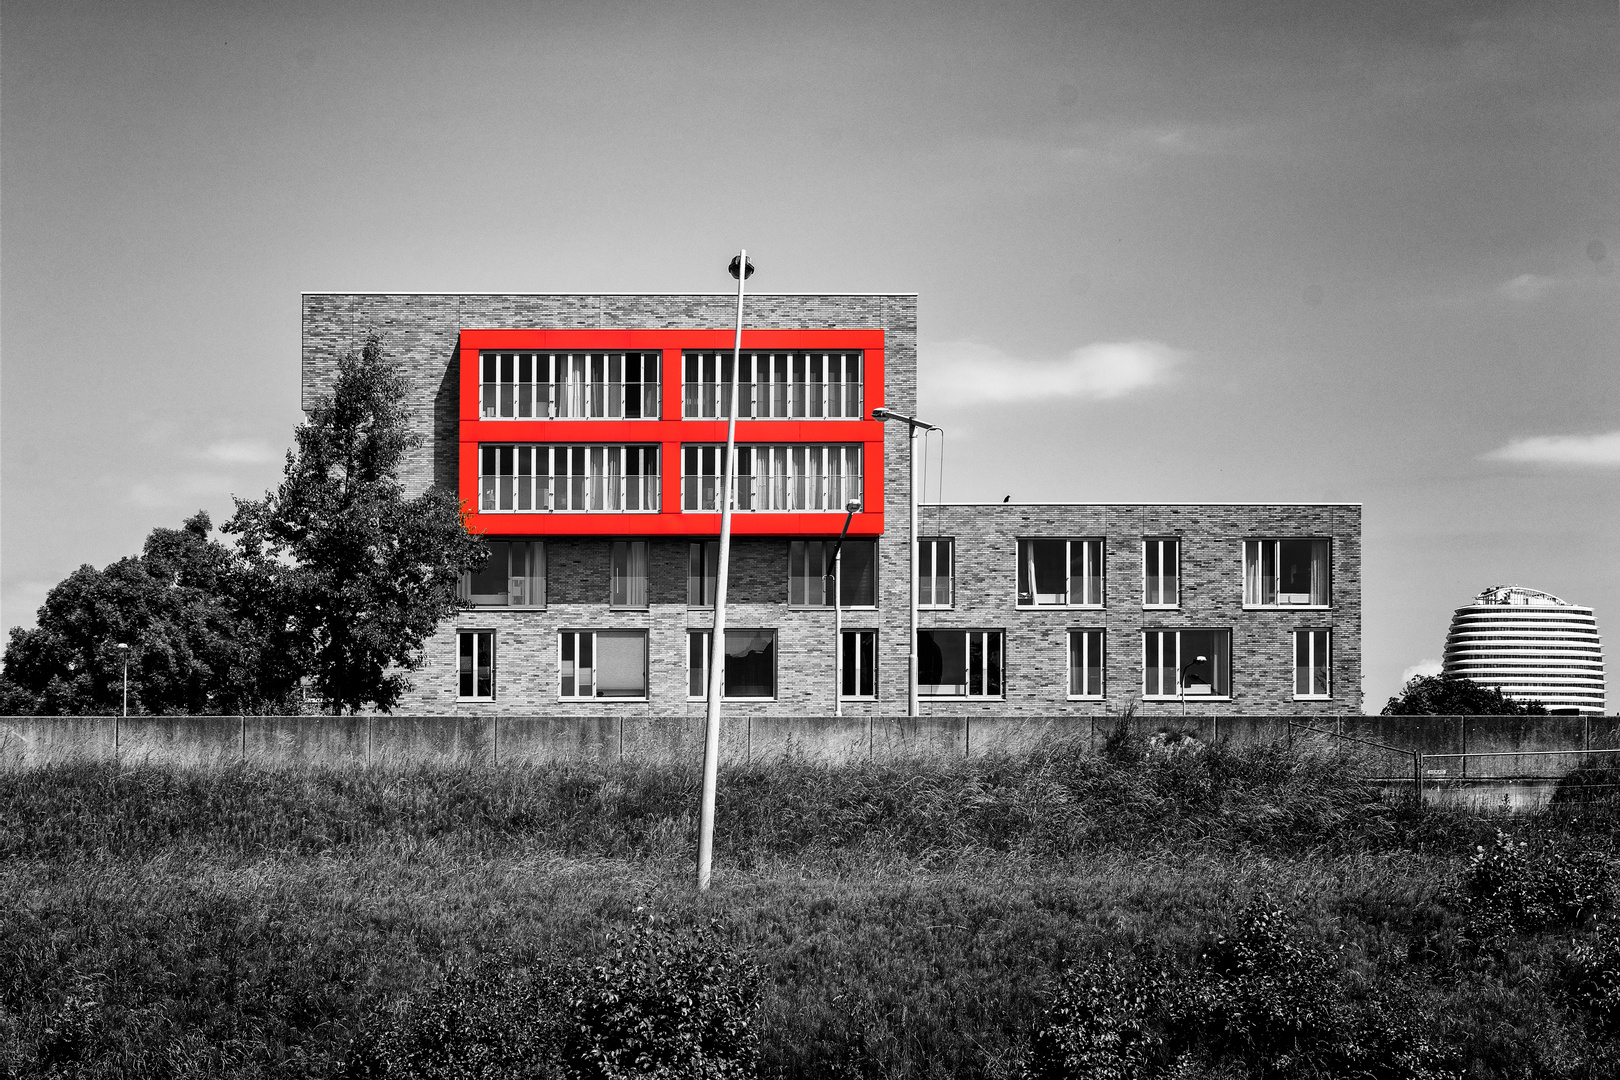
{"x": 605, "y": 292}
{"x": 1123, "y": 502}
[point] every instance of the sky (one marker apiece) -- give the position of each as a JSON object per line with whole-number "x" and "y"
{"x": 1164, "y": 252}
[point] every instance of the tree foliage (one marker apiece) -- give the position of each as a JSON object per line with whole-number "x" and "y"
{"x": 1449, "y": 695}
{"x": 336, "y": 576}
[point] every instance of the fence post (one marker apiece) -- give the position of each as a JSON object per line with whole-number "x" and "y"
{"x": 1417, "y": 776}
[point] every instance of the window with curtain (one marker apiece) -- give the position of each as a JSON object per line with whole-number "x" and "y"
{"x": 1060, "y": 573}
{"x": 935, "y": 572}
{"x": 539, "y": 386}
{"x": 1085, "y": 663}
{"x": 1186, "y": 663}
{"x": 514, "y": 575}
{"x": 702, "y": 572}
{"x": 750, "y": 671}
{"x": 1161, "y": 572}
{"x": 810, "y": 573}
{"x": 857, "y": 664}
{"x": 602, "y": 664}
{"x": 1287, "y": 573}
{"x": 475, "y": 675}
{"x": 1312, "y": 663}
{"x": 959, "y": 663}
{"x": 773, "y": 479}
{"x": 548, "y": 478}
{"x": 627, "y": 587}
{"x": 780, "y": 385}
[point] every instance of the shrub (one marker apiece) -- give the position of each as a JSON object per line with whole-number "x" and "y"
{"x": 1588, "y": 784}
{"x": 1512, "y": 888}
{"x": 1101, "y": 1024}
{"x": 1591, "y": 980}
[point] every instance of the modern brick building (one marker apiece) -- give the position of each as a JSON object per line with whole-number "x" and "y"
{"x": 587, "y": 432}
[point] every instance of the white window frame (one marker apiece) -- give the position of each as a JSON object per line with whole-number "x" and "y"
{"x": 1243, "y": 571}
{"x": 563, "y": 385}
{"x": 967, "y": 650}
{"x": 1315, "y": 636}
{"x": 596, "y": 694}
{"x": 827, "y": 549}
{"x": 933, "y": 545}
{"x": 1088, "y": 634}
{"x": 773, "y": 478}
{"x": 537, "y": 553}
{"x": 774, "y": 385}
{"x": 477, "y": 632}
{"x": 1095, "y": 548}
{"x": 856, "y": 633}
{"x": 1160, "y": 544}
{"x": 1177, "y": 631}
{"x": 706, "y": 652}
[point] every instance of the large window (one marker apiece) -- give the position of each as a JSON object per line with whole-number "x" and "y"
{"x": 785, "y": 385}
{"x": 1313, "y": 660}
{"x": 750, "y": 671}
{"x": 540, "y": 386}
{"x": 857, "y": 664}
{"x": 934, "y": 573}
{"x": 540, "y": 478}
{"x": 1086, "y": 663}
{"x": 627, "y": 573}
{"x": 959, "y": 663}
{"x": 810, "y": 572}
{"x": 1161, "y": 573}
{"x": 475, "y": 675}
{"x": 798, "y": 476}
{"x": 1060, "y": 573}
{"x": 602, "y": 664}
{"x": 514, "y": 575}
{"x": 702, "y": 572}
{"x": 1286, "y": 573}
{"x": 1186, "y": 663}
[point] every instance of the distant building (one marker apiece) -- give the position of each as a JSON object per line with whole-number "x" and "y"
{"x": 1532, "y": 646}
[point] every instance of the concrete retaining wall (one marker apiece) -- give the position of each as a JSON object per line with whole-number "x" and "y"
{"x": 487, "y": 742}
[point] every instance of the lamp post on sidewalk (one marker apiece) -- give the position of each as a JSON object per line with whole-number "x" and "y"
{"x": 851, "y": 508}
{"x": 882, "y": 412}
{"x": 124, "y": 649}
{"x": 1181, "y": 681}
{"x": 741, "y": 269}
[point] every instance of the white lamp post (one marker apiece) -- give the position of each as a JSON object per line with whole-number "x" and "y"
{"x": 885, "y": 413}
{"x": 741, "y": 269}
{"x": 124, "y": 649}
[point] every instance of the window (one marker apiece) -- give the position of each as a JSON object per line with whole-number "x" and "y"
{"x": 800, "y": 476}
{"x": 541, "y": 386}
{"x": 514, "y": 575}
{"x": 628, "y": 574}
{"x": 810, "y": 572}
{"x": 1060, "y": 573}
{"x": 1085, "y": 663}
{"x": 702, "y": 572}
{"x": 750, "y": 664}
{"x": 1161, "y": 573}
{"x": 783, "y": 385}
{"x": 475, "y": 677}
{"x": 602, "y": 664}
{"x": 1186, "y": 662}
{"x": 959, "y": 663}
{"x": 857, "y": 664}
{"x": 934, "y": 570}
{"x": 540, "y": 478}
{"x": 1281, "y": 573}
{"x": 1313, "y": 659}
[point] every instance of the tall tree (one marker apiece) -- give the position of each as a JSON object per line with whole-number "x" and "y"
{"x": 358, "y": 575}
{"x": 1449, "y": 695}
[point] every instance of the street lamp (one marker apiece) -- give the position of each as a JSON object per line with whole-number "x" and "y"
{"x": 1181, "y": 682}
{"x": 124, "y": 649}
{"x": 851, "y": 508}
{"x": 741, "y": 269}
{"x": 882, "y": 412}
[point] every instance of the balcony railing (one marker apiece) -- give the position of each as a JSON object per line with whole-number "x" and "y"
{"x": 774, "y": 400}
{"x": 571, "y": 400}
{"x": 569, "y": 494}
{"x": 772, "y": 494}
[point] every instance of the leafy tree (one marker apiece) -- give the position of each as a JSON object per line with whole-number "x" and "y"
{"x": 1449, "y": 695}
{"x": 195, "y": 646}
{"x": 357, "y": 575}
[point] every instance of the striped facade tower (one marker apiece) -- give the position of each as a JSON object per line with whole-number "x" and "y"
{"x": 1532, "y": 646}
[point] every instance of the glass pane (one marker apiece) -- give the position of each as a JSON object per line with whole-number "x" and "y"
{"x": 992, "y": 673}
{"x": 1294, "y": 566}
{"x": 943, "y": 571}
{"x": 697, "y": 664}
{"x": 621, "y": 663}
{"x": 975, "y": 665}
{"x": 925, "y": 572}
{"x": 868, "y": 658}
{"x": 941, "y": 662}
{"x": 750, "y": 664}
{"x": 1302, "y": 662}
{"x": 489, "y": 580}
{"x": 1085, "y": 572}
{"x": 484, "y": 649}
{"x": 858, "y": 574}
{"x": 1043, "y": 572}
{"x": 464, "y": 687}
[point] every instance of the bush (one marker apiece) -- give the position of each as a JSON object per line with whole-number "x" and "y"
{"x": 1591, "y": 981}
{"x": 1100, "y": 1024}
{"x": 1512, "y": 888}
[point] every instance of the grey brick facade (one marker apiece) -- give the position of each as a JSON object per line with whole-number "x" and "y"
{"x": 422, "y": 332}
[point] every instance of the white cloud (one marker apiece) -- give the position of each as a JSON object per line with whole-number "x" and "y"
{"x": 1422, "y": 667}
{"x": 964, "y": 372}
{"x": 1528, "y": 287}
{"x": 1601, "y": 450}
{"x": 239, "y": 452}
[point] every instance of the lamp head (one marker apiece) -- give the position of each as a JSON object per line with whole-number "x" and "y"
{"x": 747, "y": 272}
{"x": 880, "y": 413}
{"x": 853, "y": 506}
{"x": 123, "y": 646}
{"x": 1199, "y": 660}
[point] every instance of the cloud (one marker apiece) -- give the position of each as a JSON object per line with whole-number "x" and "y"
{"x": 239, "y": 452}
{"x": 1527, "y": 288}
{"x": 1600, "y": 450}
{"x": 180, "y": 490}
{"x": 964, "y": 372}
{"x": 1422, "y": 667}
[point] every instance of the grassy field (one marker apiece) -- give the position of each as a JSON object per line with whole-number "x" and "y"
{"x": 904, "y": 921}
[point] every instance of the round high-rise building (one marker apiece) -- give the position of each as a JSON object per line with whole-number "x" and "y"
{"x": 1530, "y": 645}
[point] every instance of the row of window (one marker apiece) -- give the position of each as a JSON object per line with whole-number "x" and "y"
{"x": 1176, "y": 664}
{"x": 627, "y": 385}
{"x": 1050, "y": 573}
{"x": 550, "y": 478}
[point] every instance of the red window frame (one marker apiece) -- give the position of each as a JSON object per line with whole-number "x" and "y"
{"x": 670, "y": 432}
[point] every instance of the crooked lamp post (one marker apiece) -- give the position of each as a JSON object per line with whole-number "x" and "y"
{"x": 741, "y": 269}
{"x": 1181, "y": 681}
{"x": 913, "y": 424}
{"x": 851, "y": 508}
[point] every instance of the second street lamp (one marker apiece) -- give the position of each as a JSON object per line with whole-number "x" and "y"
{"x": 851, "y": 508}
{"x": 883, "y": 412}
